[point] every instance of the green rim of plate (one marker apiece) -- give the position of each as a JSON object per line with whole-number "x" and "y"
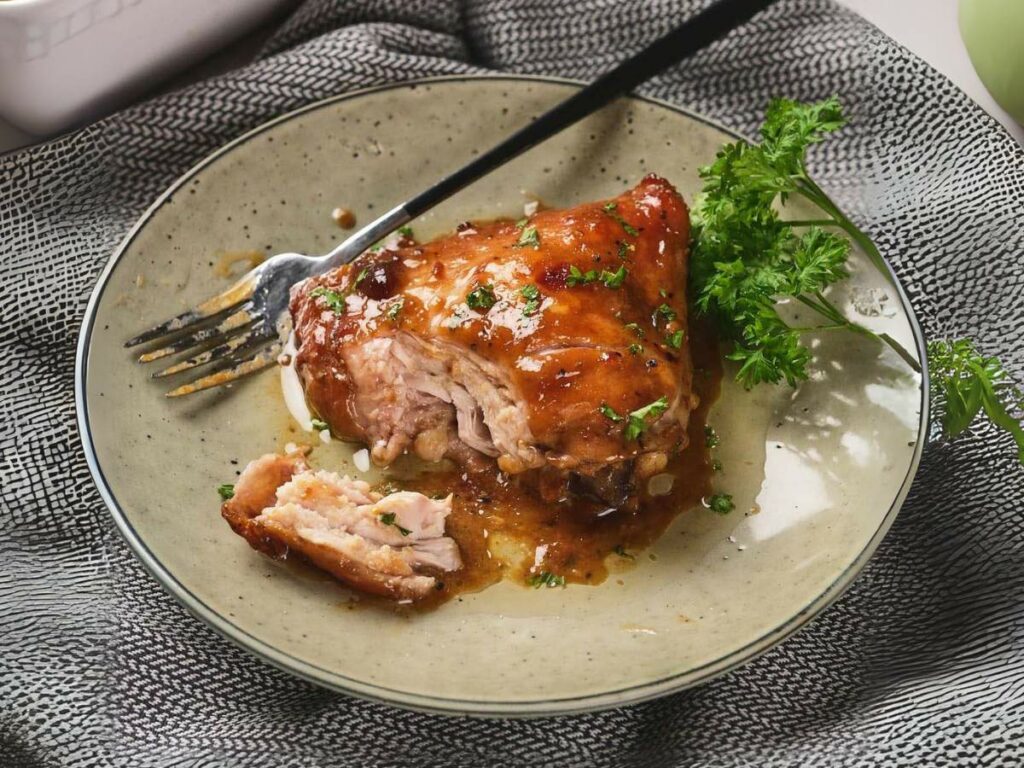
{"x": 441, "y": 704}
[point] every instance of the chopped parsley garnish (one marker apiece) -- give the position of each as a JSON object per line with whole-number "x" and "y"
{"x": 319, "y": 425}
{"x": 721, "y": 504}
{"x": 533, "y": 298}
{"x": 608, "y": 278}
{"x": 663, "y": 293}
{"x": 577, "y": 277}
{"x": 333, "y": 299}
{"x": 716, "y": 466}
{"x": 226, "y": 491}
{"x": 710, "y": 437}
{"x": 614, "y": 279}
{"x": 395, "y": 309}
{"x": 406, "y": 231}
{"x": 621, "y": 552}
{"x": 608, "y": 412}
{"x": 636, "y": 349}
{"x": 388, "y": 518}
{"x": 482, "y": 297}
{"x": 610, "y": 209}
{"x": 528, "y": 238}
{"x": 665, "y": 311}
{"x": 546, "y": 579}
{"x": 625, "y": 248}
{"x": 642, "y": 418}
{"x": 522, "y": 223}
{"x": 675, "y": 340}
{"x": 636, "y": 329}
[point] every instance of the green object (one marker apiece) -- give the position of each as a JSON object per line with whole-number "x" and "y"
{"x": 993, "y": 31}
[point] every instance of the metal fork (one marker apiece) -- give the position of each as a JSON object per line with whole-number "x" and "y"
{"x": 238, "y": 332}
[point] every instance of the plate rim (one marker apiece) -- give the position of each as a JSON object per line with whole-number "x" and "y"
{"x": 445, "y": 704}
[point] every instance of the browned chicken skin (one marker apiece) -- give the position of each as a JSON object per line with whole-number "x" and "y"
{"x": 527, "y": 342}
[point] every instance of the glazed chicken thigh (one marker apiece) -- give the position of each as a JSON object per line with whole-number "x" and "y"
{"x": 555, "y": 346}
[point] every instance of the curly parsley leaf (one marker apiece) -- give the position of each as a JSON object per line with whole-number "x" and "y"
{"x": 636, "y": 329}
{"x": 226, "y": 491}
{"x": 721, "y": 504}
{"x": 609, "y": 413}
{"x": 481, "y": 297}
{"x": 612, "y": 210}
{"x": 333, "y": 299}
{"x": 388, "y": 518}
{"x": 528, "y": 238}
{"x": 533, "y": 299}
{"x": 395, "y": 309}
{"x": 546, "y": 579}
{"x": 614, "y": 279}
{"x": 965, "y": 383}
{"x": 579, "y": 277}
{"x": 639, "y": 420}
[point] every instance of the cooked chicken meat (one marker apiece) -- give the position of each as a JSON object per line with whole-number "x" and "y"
{"x": 555, "y": 345}
{"x": 379, "y": 544}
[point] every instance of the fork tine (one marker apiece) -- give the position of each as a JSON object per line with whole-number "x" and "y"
{"x": 232, "y": 325}
{"x": 256, "y": 335}
{"x": 219, "y": 304}
{"x": 267, "y": 355}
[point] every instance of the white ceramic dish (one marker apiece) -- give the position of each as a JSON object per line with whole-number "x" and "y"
{"x": 65, "y": 61}
{"x": 826, "y": 467}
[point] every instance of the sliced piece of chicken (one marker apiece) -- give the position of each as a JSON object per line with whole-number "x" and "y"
{"x": 374, "y": 543}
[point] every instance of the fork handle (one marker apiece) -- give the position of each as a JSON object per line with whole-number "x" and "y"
{"x": 689, "y": 37}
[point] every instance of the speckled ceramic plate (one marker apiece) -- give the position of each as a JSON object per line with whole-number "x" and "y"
{"x": 818, "y": 474}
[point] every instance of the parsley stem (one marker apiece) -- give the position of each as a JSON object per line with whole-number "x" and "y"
{"x": 827, "y": 309}
{"x": 899, "y": 350}
{"x": 834, "y": 316}
{"x": 810, "y": 223}
{"x": 812, "y": 328}
{"x": 806, "y": 187}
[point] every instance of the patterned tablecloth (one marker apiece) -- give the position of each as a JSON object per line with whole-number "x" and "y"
{"x": 920, "y": 663}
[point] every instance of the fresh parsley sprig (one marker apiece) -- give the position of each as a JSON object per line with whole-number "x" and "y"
{"x": 746, "y": 258}
{"x": 965, "y": 383}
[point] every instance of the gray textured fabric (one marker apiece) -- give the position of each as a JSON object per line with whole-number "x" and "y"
{"x": 921, "y": 663}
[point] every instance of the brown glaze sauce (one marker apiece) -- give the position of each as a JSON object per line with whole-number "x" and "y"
{"x": 343, "y": 217}
{"x": 225, "y": 266}
{"x": 584, "y": 540}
